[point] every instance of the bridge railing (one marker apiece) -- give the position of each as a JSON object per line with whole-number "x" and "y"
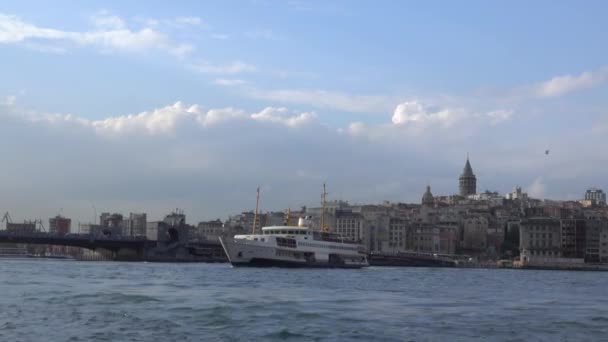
{"x": 71, "y": 236}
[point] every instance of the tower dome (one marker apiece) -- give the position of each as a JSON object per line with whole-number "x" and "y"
{"x": 427, "y": 198}
{"x": 467, "y": 183}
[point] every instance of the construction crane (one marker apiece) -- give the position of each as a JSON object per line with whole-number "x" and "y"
{"x": 7, "y": 219}
{"x": 41, "y": 225}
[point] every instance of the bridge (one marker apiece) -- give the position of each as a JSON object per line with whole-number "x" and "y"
{"x": 125, "y": 248}
{"x": 114, "y": 244}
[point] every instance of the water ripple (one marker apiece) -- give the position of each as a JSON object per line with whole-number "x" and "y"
{"x": 84, "y": 301}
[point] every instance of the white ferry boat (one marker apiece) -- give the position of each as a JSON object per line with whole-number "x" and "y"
{"x": 290, "y": 246}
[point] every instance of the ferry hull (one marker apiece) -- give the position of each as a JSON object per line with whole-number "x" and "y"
{"x": 256, "y": 262}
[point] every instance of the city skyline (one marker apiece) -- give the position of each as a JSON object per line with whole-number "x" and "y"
{"x": 116, "y": 107}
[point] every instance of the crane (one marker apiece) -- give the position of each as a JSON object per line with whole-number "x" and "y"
{"x": 7, "y": 218}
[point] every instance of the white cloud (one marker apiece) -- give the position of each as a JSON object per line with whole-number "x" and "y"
{"x": 9, "y": 100}
{"x": 284, "y": 116}
{"x": 415, "y": 112}
{"x": 499, "y": 116}
{"x": 164, "y": 121}
{"x": 104, "y": 20}
{"x": 537, "y": 188}
{"x": 189, "y": 20}
{"x": 565, "y": 84}
{"x": 110, "y": 33}
{"x": 159, "y": 121}
{"x": 215, "y": 116}
{"x": 420, "y": 114}
{"x": 231, "y": 68}
{"x": 228, "y": 82}
{"x": 187, "y": 155}
{"x": 326, "y": 99}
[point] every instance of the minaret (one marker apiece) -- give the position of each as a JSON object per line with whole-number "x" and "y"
{"x": 467, "y": 181}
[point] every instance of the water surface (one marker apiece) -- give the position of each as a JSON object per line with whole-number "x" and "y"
{"x": 44, "y": 300}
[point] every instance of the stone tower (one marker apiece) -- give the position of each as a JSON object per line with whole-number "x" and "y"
{"x": 467, "y": 181}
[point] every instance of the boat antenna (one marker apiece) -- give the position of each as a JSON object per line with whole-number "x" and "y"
{"x": 323, "y": 196}
{"x": 255, "y": 215}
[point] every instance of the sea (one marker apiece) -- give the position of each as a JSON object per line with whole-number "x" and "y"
{"x": 51, "y": 300}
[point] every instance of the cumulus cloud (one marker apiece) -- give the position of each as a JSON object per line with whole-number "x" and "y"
{"x": 230, "y": 68}
{"x": 415, "y": 112}
{"x": 228, "y": 82}
{"x": 420, "y": 114}
{"x": 189, "y": 20}
{"x": 565, "y": 84}
{"x": 326, "y": 99}
{"x": 537, "y": 188}
{"x": 109, "y": 32}
{"x": 499, "y": 116}
{"x": 165, "y": 121}
{"x": 9, "y": 100}
{"x": 284, "y": 116}
{"x": 206, "y": 160}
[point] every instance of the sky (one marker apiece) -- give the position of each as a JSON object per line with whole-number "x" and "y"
{"x": 126, "y": 107}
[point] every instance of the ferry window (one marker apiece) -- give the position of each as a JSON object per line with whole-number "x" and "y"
{"x": 290, "y": 232}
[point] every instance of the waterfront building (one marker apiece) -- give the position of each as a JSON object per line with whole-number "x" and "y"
{"x": 209, "y": 230}
{"x": 595, "y": 197}
{"x": 162, "y": 231}
{"x": 517, "y": 194}
{"x": 348, "y": 225}
{"x": 245, "y": 220}
{"x": 60, "y": 225}
{"x": 88, "y": 228}
{"x": 375, "y": 227}
{"x": 135, "y": 225}
{"x": 475, "y": 230}
{"x": 156, "y": 231}
{"x": 448, "y": 237}
{"x": 573, "y": 234}
{"x": 397, "y": 234}
{"x": 603, "y": 244}
{"x": 175, "y": 219}
{"x": 26, "y": 227}
{"x": 594, "y": 228}
{"x": 278, "y": 218}
{"x": 540, "y": 240}
{"x": 425, "y": 238}
{"x": 111, "y": 220}
{"x": 467, "y": 183}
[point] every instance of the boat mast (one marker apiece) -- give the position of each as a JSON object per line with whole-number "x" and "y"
{"x": 287, "y": 220}
{"x": 255, "y": 215}
{"x": 323, "y": 196}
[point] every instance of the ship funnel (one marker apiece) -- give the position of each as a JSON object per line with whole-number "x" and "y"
{"x": 304, "y": 221}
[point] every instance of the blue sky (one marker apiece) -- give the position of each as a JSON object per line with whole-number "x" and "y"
{"x": 195, "y": 103}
